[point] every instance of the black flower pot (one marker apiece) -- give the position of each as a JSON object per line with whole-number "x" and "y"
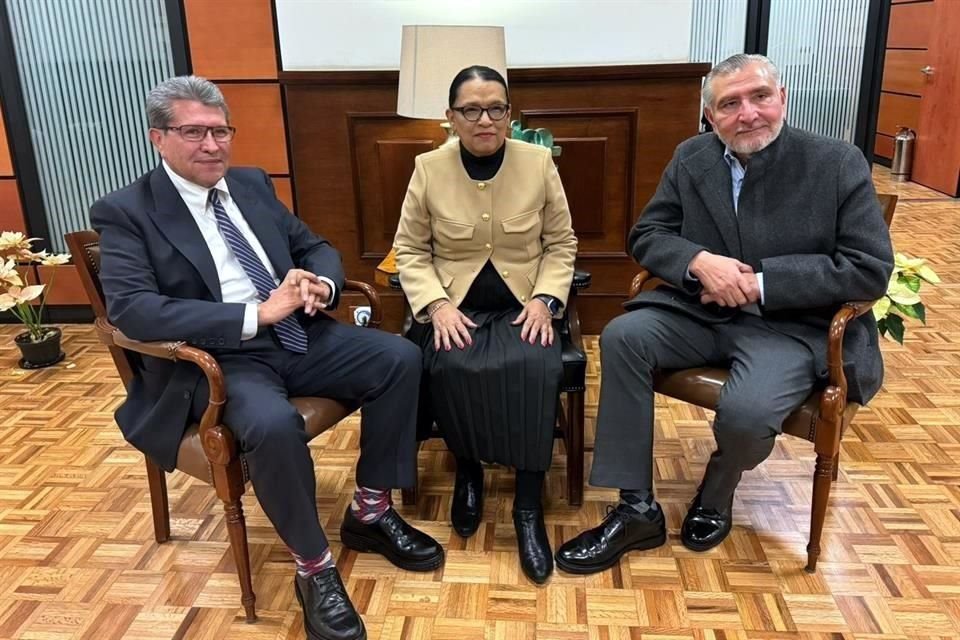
{"x": 44, "y": 353}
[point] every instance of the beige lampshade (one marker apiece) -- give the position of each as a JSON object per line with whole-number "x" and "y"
{"x": 430, "y": 56}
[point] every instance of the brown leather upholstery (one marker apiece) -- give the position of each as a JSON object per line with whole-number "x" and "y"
{"x": 319, "y": 414}
{"x": 221, "y": 464}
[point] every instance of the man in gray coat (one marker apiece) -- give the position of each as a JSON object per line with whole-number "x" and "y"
{"x": 762, "y": 231}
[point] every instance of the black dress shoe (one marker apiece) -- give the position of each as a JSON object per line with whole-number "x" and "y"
{"x": 328, "y": 613}
{"x": 394, "y": 539}
{"x": 467, "y": 508}
{"x": 536, "y": 558}
{"x": 705, "y": 528}
{"x": 601, "y": 547}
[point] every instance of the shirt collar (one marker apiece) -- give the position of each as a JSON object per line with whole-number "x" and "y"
{"x": 732, "y": 159}
{"x": 194, "y": 196}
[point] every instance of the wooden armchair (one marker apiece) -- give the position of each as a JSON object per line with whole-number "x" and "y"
{"x": 208, "y": 450}
{"x": 570, "y": 418}
{"x": 821, "y": 419}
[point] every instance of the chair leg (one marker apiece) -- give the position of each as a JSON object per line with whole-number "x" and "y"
{"x": 409, "y": 495}
{"x": 836, "y": 467}
{"x": 822, "y": 479}
{"x": 157, "y": 481}
{"x": 237, "y": 529}
{"x": 574, "y": 442}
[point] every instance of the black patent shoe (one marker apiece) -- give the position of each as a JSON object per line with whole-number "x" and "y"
{"x": 704, "y": 528}
{"x": 394, "y": 539}
{"x": 536, "y": 557}
{"x": 328, "y": 613}
{"x": 621, "y": 531}
{"x": 466, "y": 511}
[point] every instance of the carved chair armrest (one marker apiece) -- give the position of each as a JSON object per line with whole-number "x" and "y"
{"x": 373, "y": 299}
{"x": 216, "y": 438}
{"x": 638, "y": 281}
{"x": 838, "y": 327}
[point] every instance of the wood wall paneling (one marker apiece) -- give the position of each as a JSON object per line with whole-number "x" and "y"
{"x": 231, "y": 39}
{"x": 6, "y": 161}
{"x": 11, "y": 212}
{"x": 352, "y": 158}
{"x": 897, "y": 110}
{"x": 910, "y": 25}
{"x": 67, "y": 287}
{"x": 284, "y": 191}
{"x": 901, "y": 71}
{"x": 256, "y": 111}
{"x": 883, "y": 146}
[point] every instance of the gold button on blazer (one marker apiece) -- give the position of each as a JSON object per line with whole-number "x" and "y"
{"x": 450, "y": 225}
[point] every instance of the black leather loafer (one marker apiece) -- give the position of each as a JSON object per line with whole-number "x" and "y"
{"x": 466, "y": 511}
{"x": 703, "y": 528}
{"x": 328, "y": 613}
{"x": 394, "y": 539}
{"x": 536, "y": 557}
{"x": 601, "y": 547}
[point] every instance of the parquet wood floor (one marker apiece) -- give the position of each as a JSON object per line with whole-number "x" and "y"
{"x": 78, "y": 560}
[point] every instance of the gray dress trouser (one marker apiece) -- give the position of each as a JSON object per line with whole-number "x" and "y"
{"x": 771, "y": 374}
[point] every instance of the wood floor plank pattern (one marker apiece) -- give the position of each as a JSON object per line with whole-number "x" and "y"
{"x": 78, "y": 560}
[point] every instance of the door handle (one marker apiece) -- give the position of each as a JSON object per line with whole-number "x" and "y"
{"x": 927, "y": 70}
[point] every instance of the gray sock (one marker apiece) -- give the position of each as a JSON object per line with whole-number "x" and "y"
{"x": 641, "y": 501}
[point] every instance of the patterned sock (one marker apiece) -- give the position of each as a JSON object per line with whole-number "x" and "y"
{"x": 370, "y": 504}
{"x": 307, "y": 568}
{"x": 641, "y": 501}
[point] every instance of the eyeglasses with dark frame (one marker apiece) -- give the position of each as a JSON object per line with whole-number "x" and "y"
{"x": 496, "y": 112}
{"x": 197, "y": 132}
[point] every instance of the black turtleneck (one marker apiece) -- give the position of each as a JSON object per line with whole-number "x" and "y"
{"x": 482, "y": 167}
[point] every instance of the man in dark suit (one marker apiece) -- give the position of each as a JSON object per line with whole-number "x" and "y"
{"x": 199, "y": 252}
{"x": 762, "y": 230}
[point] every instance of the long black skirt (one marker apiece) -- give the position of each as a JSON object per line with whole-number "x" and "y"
{"x": 495, "y": 400}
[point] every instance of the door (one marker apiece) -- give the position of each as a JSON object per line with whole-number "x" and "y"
{"x": 936, "y": 161}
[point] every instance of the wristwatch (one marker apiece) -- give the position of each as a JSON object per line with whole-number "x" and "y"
{"x": 553, "y": 305}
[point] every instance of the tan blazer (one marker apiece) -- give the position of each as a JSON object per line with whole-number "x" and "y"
{"x": 451, "y": 225}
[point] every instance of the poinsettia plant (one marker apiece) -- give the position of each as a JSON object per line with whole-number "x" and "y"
{"x": 903, "y": 296}
{"x": 17, "y": 295}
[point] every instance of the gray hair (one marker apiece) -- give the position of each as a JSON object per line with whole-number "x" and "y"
{"x": 733, "y": 64}
{"x": 193, "y": 88}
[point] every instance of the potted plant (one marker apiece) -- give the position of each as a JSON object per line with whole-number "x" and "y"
{"x": 902, "y": 299}
{"x": 39, "y": 344}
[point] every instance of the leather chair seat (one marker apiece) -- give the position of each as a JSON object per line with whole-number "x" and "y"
{"x": 319, "y": 414}
{"x": 701, "y": 386}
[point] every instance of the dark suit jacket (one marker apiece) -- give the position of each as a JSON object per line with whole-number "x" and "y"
{"x": 808, "y": 218}
{"x": 161, "y": 283}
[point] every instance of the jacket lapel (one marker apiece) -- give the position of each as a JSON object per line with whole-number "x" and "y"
{"x": 253, "y": 208}
{"x": 174, "y": 221}
{"x": 711, "y": 177}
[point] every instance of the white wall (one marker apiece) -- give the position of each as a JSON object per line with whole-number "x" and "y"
{"x": 365, "y": 34}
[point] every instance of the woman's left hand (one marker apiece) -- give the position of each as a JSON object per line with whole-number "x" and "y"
{"x": 537, "y": 321}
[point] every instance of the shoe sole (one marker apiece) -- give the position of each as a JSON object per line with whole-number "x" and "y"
{"x": 693, "y": 546}
{"x": 313, "y": 635}
{"x": 363, "y": 544}
{"x": 580, "y": 569}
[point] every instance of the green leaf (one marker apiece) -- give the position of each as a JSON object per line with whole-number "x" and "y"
{"x": 913, "y": 282}
{"x": 881, "y": 307}
{"x": 909, "y": 310}
{"x": 928, "y": 274}
{"x": 882, "y": 326}
{"x": 895, "y": 327}
{"x": 921, "y": 312}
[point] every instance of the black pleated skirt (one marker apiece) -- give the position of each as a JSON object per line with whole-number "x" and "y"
{"x": 496, "y": 400}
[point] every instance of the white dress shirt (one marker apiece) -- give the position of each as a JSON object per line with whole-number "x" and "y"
{"x": 235, "y": 285}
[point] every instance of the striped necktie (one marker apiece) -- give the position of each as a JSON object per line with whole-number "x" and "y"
{"x": 288, "y": 331}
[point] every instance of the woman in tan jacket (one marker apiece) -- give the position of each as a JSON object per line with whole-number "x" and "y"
{"x": 485, "y": 251}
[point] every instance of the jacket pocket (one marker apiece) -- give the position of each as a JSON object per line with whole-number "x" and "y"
{"x": 453, "y": 230}
{"x": 522, "y": 222}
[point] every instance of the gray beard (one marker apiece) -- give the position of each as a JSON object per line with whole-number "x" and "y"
{"x": 748, "y": 149}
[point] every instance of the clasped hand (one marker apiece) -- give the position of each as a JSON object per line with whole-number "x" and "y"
{"x": 726, "y": 281}
{"x": 299, "y": 289}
